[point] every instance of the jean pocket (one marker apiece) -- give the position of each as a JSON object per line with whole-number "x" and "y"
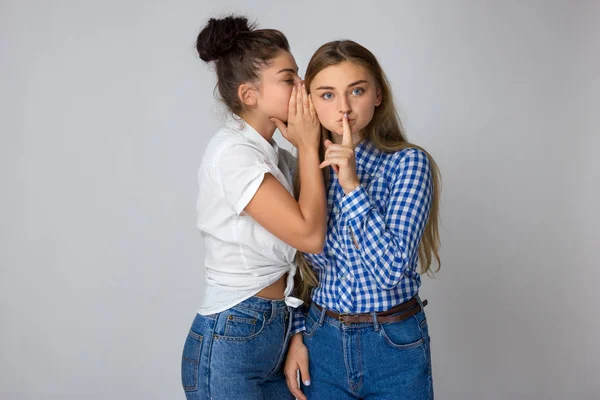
{"x": 190, "y": 361}
{"x": 242, "y": 324}
{"x": 310, "y": 326}
{"x": 403, "y": 335}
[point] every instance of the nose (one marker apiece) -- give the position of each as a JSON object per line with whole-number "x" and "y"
{"x": 344, "y": 105}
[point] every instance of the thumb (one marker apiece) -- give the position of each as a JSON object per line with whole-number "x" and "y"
{"x": 279, "y": 124}
{"x": 304, "y": 375}
{"x": 327, "y": 143}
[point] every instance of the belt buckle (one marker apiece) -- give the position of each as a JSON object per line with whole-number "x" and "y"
{"x": 341, "y": 316}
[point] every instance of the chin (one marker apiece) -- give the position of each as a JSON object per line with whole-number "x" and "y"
{"x": 335, "y": 129}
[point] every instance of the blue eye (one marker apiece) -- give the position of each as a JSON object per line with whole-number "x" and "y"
{"x": 357, "y": 91}
{"x": 327, "y": 96}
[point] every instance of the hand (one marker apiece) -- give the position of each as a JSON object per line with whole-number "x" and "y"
{"x": 341, "y": 158}
{"x": 303, "y": 128}
{"x": 296, "y": 359}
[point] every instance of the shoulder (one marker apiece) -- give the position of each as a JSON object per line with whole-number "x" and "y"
{"x": 407, "y": 157}
{"x": 410, "y": 161}
{"x": 229, "y": 143}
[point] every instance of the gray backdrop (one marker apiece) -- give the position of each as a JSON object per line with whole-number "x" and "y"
{"x": 104, "y": 116}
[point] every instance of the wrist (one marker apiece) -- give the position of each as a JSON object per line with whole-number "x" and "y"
{"x": 351, "y": 187}
{"x": 308, "y": 148}
{"x": 297, "y": 338}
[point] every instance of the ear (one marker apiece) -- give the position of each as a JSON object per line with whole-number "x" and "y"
{"x": 379, "y": 98}
{"x": 247, "y": 94}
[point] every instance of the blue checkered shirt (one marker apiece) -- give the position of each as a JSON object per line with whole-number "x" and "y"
{"x": 369, "y": 263}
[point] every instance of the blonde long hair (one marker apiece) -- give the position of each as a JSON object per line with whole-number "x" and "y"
{"x": 385, "y": 132}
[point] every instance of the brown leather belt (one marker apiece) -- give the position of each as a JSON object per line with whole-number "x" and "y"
{"x": 412, "y": 306}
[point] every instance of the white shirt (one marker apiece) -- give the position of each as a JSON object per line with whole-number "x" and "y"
{"x": 242, "y": 257}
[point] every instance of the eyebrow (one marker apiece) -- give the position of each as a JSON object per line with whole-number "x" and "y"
{"x": 288, "y": 70}
{"x": 350, "y": 85}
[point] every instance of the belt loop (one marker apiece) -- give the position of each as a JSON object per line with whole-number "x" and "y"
{"x": 420, "y": 302}
{"x": 290, "y": 315}
{"x": 375, "y": 322}
{"x": 273, "y": 312}
{"x": 322, "y": 316}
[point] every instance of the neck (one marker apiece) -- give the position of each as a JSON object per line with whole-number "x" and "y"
{"x": 263, "y": 126}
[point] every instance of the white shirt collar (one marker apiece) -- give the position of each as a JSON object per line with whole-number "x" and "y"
{"x": 270, "y": 149}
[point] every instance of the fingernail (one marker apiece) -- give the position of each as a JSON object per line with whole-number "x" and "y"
{"x": 346, "y": 115}
{"x": 306, "y": 383}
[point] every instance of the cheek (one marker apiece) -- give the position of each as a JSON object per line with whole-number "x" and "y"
{"x": 275, "y": 98}
{"x": 286, "y": 93}
{"x": 323, "y": 112}
{"x": 282, "y": 98}
{"x": 276, "y": 92}
{"x": 279, "y": 103}
{"x": 327, "y": 114}
{"x": 365, "y": 107}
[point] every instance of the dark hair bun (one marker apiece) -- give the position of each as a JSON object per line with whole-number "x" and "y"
{"x": 219, "y": 36}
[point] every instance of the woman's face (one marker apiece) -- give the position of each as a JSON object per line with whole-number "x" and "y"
{"x": 345, "y": 88}
{"x": 275, "y": 86}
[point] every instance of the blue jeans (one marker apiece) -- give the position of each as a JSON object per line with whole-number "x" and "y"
{"x": 382, "y": 361}
{"x": 238, "y": 353}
